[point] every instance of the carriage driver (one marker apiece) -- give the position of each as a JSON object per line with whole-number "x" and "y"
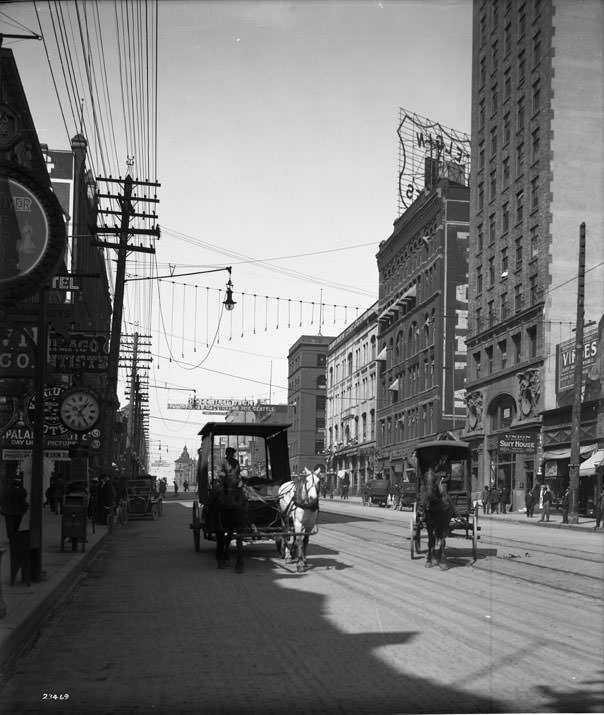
{"x": 230, "y": 470}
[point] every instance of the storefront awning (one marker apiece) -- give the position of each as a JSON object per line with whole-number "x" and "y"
{"x": 394, "y": 386}
{"x": 383, "y": 354}
{"x": 588, "y": 467}
{"x": 565, "y": 453}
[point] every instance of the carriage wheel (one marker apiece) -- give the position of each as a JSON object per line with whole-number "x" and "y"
{"x": 475, "y": 534}
{"x": 196, "y": 526}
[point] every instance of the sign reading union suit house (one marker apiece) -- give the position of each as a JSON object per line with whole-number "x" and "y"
{"x": 517, "y": 442}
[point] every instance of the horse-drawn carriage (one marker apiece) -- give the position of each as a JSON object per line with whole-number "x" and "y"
{"x": 444, "y": 497}
{"x": 254, "y": 501}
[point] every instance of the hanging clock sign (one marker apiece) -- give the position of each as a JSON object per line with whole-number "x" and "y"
{"x": 80, "y": 409}
{"x": 33, "y": 237}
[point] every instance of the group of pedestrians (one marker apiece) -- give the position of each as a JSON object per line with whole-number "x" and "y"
{"x": 495, "y": 499}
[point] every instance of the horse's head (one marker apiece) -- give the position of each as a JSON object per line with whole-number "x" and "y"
{"x": 306, "y": 493}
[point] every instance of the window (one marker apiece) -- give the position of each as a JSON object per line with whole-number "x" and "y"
{"x": 534, "y": 241}
{"x": 535, "y": 144}
{"x": 494, "y": 140}
{"x": 518, "y": 253}
{"x": 476, "y": 358}
{"x": 507, "y": 83}
{"x": 536, "y": 96}
{"x": 493, "y": 185}
{"x": 536, "y": 49}
{"x": 519, "y": 206}
{"x": 520, "y": 115}
{"x": 521, "y": 67}
{"x": 492, "y": 229}
{"x": 478, "y": 312}
{"x": 517, "y": 344}
{"x": 505, "y": 217}
{"x": 479, "y": 279}
{"x": 519, "y": 158}
{"x": 504, "y": 262}
{"x": 521, "y": 22}
{"x": 491, "y": 313}
{"x": 349, "y": 364}
{"x": 535, "y": 193}
{"x": 506, "y": 128}
{"x": 531, "y": 335}
{"x": 481, "y": 156}
{"x": 481, "y": 196}
{"x": 320, "y": 402}
{"x": 481, "y": 115}
{"x": 482, "y": 71}
{"x": 321, "y": 360}
{"x": 489, "y": 355}
{"x": 494, "y": 57}
{"x": 533, "y": 290}
{"x": 503, "y": 354}
{"x": 504, "y": 306}
{"x": 480, "y": 238}
{"x": 491, "y": 271}
{"x": 507, "y": 38}
{"x": 506, "y": 170}
{"x": 518, "y": 298}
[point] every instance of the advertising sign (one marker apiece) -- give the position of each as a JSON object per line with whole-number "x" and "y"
{"x": 221, "y": 406}
{"x": 33, "y": 234}
{"x": 79, "y": 352}
{"x": 517, "y": 442}
{"x": 428, "y": 148}
{"x": 565, "y": 358}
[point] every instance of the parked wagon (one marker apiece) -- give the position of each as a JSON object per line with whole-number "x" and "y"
{"x": 452, "y": 460}
{"x": 267, "y": 469}
{"x": 376, "y": 491}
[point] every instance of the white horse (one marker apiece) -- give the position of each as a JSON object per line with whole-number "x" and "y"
{"x": 299, "y": 508}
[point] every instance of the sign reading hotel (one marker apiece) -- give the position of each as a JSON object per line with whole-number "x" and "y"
{"x": 517, "y": 442}
{"x": 428, "y": 149}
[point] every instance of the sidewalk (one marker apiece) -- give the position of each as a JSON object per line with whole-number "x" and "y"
{"x": 586, "y": 523}
{"x": 27, "y": 606}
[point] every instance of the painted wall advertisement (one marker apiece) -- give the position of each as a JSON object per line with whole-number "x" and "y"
{"x": 592, "y": 386}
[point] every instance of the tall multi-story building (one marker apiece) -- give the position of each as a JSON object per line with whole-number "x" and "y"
{"x": 537, "y": 174}
{"x": 351, "y": 400}
{"x": 185, "y": 469}
{"x": 307, "y": 397}
{"x": 422, "y": 323}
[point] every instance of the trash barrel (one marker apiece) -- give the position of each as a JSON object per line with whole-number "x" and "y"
{"x": 74, "y": 520}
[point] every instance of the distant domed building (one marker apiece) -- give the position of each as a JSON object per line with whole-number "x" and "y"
{"x": 185, "y": 469}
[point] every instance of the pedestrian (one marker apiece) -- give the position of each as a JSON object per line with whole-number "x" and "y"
{"x": 13, "y": 506}
{"x": 486, "y": 499}
{"x": 185, "y": 486}
{"x": 494, "y": 499}
{"x": 531, "y": 499}
{"x": 107, "y": 498}
{"x": 548, "y": 497}
{"x": 599, "y": 511}
{"x": 505, "y": 498}
{"x": 345, "y": 485}
{"x": 175, "y": 488}
{"x": 565, "y": 503}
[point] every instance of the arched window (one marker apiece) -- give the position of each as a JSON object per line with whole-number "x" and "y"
{"x": 502, "y": 412}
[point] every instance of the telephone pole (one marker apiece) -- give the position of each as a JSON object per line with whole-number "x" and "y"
{"x": 575, "y": 425}
{"x": 125, "y": 230}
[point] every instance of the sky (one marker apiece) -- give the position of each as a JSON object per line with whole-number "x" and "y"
{"x": 277, "y": 155}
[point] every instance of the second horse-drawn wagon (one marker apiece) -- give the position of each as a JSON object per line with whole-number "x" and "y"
{"x": 143, "y": 498}
{"x": 443, "y": 497}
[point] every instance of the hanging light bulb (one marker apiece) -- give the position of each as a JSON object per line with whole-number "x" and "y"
{"x": 228, "y": 302}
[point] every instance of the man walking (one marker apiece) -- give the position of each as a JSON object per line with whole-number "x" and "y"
{"x": 547, "y": 501}
{"x": 13, "y": 506}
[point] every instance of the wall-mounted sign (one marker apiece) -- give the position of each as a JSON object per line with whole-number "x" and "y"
{"x": 517, "y": 442}
{"x": 78, "y": 352}
{"x": 17, "y": 351}
{"x": 33, "y": 235}
{"x": 428, "y": 151}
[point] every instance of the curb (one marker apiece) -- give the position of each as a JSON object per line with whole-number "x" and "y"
{"x": 49, "y": 597}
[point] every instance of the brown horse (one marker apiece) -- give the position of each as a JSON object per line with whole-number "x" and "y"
{"x": 437, "y": 511}
{"x": 228, "y": 516}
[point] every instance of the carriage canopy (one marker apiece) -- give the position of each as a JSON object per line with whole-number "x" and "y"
{"x": 449, "y": 458}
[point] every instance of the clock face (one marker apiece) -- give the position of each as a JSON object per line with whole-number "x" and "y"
{"x": 80, "y": 410}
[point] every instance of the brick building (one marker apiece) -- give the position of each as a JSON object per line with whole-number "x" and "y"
{"x": 537, "y": 143}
